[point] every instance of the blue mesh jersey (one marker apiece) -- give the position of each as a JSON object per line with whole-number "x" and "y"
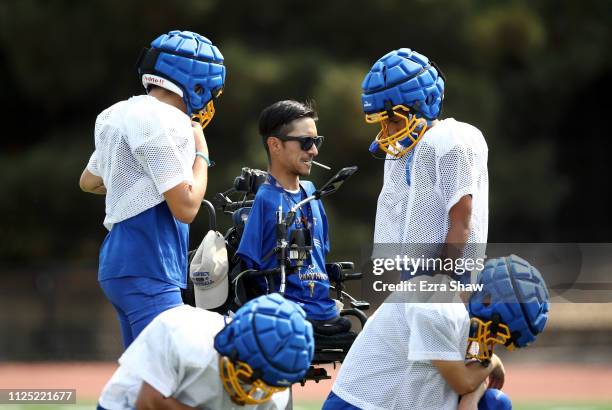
{"x": 309, "y": 287}
{"x": 151, "y": 244}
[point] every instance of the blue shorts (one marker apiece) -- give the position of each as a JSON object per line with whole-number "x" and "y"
{"x": 493, "y": 399}
{"x": 334, "y": 402}
{"x": 138, "y": 300}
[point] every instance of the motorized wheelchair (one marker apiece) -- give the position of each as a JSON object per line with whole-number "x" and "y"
{"x": 291, "y": 247}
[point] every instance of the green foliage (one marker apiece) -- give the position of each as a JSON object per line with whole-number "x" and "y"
{"x": 515, "y": 70}
{"x": 46, "y": 216}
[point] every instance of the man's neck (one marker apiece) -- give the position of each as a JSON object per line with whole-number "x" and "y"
{"x": 288, "y": 181}
{"x": 169, "y": 98}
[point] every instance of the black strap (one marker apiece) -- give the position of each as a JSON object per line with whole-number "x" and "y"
{"x": 146, "y": 61}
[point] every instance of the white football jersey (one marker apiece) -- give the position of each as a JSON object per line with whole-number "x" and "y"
{"x": 175, "y": 355}
{"x": 389, "y": 365}
{"x": 144, "y": 147}
{"x": 419, "y": 189}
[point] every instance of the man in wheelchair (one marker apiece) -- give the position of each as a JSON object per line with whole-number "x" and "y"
{"x": 289, "y": 135}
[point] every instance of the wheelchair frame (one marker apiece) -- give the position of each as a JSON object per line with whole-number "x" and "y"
{"x": 338, "y": 272}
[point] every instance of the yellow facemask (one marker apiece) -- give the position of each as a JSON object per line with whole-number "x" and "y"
{"x": 237, "y": 383}
{"x": 483, "y": 338}
{"x": 205, "y": 116}
{"x": 390, "y": 143}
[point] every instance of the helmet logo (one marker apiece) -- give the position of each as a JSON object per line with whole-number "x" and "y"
{"x": 150, "y": 79}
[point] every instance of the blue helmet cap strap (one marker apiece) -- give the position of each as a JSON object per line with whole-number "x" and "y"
{"x": 495, "y": 321}
{"x": 389, "y": 108}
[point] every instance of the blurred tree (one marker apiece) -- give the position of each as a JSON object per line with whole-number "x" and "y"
{"x": 534, "y": 77}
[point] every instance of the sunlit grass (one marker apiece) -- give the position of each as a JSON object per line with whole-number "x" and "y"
{"x": 317, "y": 406}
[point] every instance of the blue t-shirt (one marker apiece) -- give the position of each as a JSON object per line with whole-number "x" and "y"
{"x": 309, "y": 286}
{"x": 152, "y": 244}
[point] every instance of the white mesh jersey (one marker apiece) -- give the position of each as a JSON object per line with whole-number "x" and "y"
{"x": 144, "y": 147}
{"x": 448, "y": 163}
{"x": 389, "y": 365}
{"x": 175, "y": 355}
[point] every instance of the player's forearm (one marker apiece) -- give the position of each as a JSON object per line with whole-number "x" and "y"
{"x": 200, "y": 181}
{"x": 457, "y": 236}
{"x": 184, "y": 200}
{"x": 476, "y": 374}
{"x": 470, "y": 401}
{"x": 99, "y": 190}
{"x": 460, "y": 216}
{"x": 151, "y": 399}
{"x": 168, "y": 403}
{"x": 454, "y": 244}
{"x": 464, "y": 378}
{"x": 455, "y": 241}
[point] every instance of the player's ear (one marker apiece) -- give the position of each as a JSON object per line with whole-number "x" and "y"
{"x": 274, "y": 145}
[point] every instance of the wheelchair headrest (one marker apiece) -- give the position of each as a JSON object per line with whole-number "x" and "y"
{"x": 239, "y": 218}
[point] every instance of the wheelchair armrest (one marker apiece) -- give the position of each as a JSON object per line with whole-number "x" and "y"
{"x": 360, "y": 304}
{"x": 340, "y": 265}
{"x": 353, "y": 276}
{"x": 356, "y": 313}
{"x": 337, "y": 270}
{"x": 346, "y": 265}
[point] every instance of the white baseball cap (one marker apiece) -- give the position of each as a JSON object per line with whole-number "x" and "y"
{"x": 208, "y": 272}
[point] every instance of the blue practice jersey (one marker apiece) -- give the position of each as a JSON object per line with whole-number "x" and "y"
{"x": 309, "y": 286}
{"x": 151, "y": 244}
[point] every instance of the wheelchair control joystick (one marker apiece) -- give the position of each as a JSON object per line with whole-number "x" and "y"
{"x": 249, "y": 180}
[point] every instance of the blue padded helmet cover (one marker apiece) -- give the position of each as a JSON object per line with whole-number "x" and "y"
{"x": 270, "y": 334}
{"x": 403, "y": 77}
{"x": 516, "y": 291}
{"x": 193, "y": 63}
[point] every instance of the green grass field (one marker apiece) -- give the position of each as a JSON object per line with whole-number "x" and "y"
{"x": 563, "y": 406}
{"x": 518, "y": 406}
{"x": 317, "y": 406}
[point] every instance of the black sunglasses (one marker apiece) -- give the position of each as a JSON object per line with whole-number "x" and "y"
{"x": 306, "y": 142}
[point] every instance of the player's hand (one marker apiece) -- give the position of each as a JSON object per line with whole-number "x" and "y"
{"x": 497, "y": 376}
{"x": 198, "y": 136}
{"x": 470, "y": 401}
